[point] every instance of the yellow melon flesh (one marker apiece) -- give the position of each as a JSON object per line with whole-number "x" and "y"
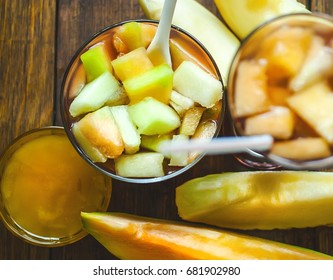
{"x": 133, "y": 237}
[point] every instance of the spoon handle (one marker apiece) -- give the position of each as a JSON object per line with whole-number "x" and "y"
{"x": 158, "y": 50}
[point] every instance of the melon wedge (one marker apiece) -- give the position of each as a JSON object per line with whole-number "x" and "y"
{"x": 133, "y": 237}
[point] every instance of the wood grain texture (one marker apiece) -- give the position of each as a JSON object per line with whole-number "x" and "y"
{"x": 37, "y": 41}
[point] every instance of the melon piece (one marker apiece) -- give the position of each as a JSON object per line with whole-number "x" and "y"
{"x": 318, "y": 64}
{"x": 192, "y": 81}
{"x": 127, "y": 129}
{"x": 101, "y": 131}
{"x": 278, "y": 121}
{"x": 140, "y": 165}
{"x": 95, "y": 94}
{"x": 132, "y": 64}
{"x": 191, "y": 120}
{"x": 92, "y": 152}
{"x": 153, "y": 117}
{"x": 250, "y": 96}
{"x": 179, "y": 158}
{"x": 154, "y": 142}
{"x": 315, "y": 106}
{"x": 132, "y": 237}
{"x": 156, "y": 83}
{"x": 181, "y": 100}
{"x": 285, "y": 50}
{"x": 133, "y": 35}
{"x": 96, "y": 61}
{"x": 278, "y": 95}
{"x": 302, "y": 148}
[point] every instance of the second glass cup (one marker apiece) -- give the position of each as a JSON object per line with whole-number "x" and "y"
{"x": 204, "y": 120}
{"x": 281, "y": 83}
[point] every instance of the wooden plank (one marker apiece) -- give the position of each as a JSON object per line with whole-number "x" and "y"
{"x": 27, "y": 86}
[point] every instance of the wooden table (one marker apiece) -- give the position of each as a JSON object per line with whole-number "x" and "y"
{"x": 37, "y": 40}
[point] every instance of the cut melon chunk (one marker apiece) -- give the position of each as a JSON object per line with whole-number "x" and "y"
{"x": 154, "y": 142}
{"x": 315, "y": 106}
{"x": 302, "y": 149}
{"x": 179, "y": 158}
{"x": 285, "y": 50}
{"x": 278, "y": 122}
{"x": 191, "y": 120}
{"x": 251, "y": 95}
{"x": 318, "y": 65}
{"x": 96, "y": 61}
{"x": 192, "y": 81}
{"x": 95, "y": 94}
{"x": 100, "y": 130}
{"x": 153, "y": 117}
{"x": 127, "y": 129}
{"x": 132, "y": 64}
{"x": 140, "y": 165}
{"x": 156, "y": 83}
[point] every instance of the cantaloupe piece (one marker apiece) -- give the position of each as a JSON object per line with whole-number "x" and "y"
{"x": 315, "y": 106}
{"x": 302, "y": 148}
{"x": 250, "y": 93}
{"x": 278, "y": 121}
{"x": 132, "y": 64}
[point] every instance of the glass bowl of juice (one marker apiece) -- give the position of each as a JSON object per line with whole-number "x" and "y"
{"x": 118, "y": 105}
{"x": 44, "y": 186}
{"x": 281, "y": 83}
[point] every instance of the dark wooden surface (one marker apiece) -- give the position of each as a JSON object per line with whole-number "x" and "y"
{"x": 37, "y": 40}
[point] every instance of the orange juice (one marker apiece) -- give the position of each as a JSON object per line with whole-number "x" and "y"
{"x": 45, "y": 185}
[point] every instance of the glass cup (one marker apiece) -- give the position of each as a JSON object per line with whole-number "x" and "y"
{"x": 44, "y": 185}
{"x": 271, "y": 83}
{"x": 74, "y": 80}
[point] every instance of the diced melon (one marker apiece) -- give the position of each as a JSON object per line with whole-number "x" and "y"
{"x": 140, "y": 165}
{"x": 250, "y": 96}
{"x": 96, "y": 61}
{"x": 318, "y": 65}
{"x": 285, "y": 50}
{"x": 302, "y": 149}
{"x": 154, "y": 142}
{"x": 191, "y": 120}
{"x": 315, "y": 106}
{"x": 100, "y": 130}
{"x": 92, "y": 152}
{"x": 127, "y": 129}
{"x": 192, "y": 81}
{"x": 95, "y": 94}
{"x": 181, "y": 100}
{"x": 156, "y": 83}
{"x": 133, "y": 35}
{"x": 179, "y": 158}
{"x": 153, "y": 117}
{"x": 132, "y": 64}
{"x": 278, "y": 121}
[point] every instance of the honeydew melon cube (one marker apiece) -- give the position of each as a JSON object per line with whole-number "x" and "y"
{"x": 179, "y": 158}
{"x": 127, "y": 129}
{"x": 101, "y": 131}
{"x": 192, "y": 81}
{"x": 132, "y": 64}
{"x": 140, "y": 165}
{"x": 153, "y": 117}
{"x": 156, "y": 83}
{"x": 96, "y": 61}
{"x": 154, "y": 142}
{"x": 95, "y": 94}
{"x": 181, "y": 100}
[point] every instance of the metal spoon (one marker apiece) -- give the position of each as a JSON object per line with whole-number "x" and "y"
{"x": 158, "y": 50}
